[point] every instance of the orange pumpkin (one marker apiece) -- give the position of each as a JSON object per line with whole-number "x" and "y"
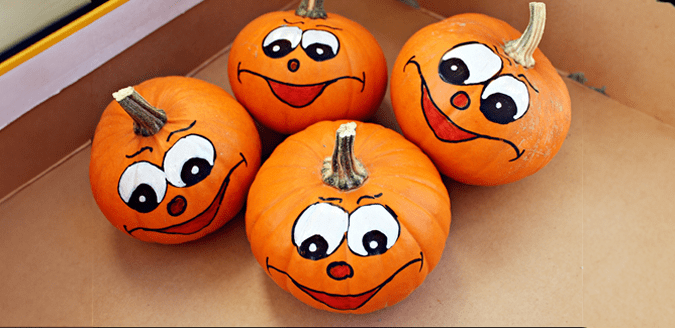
{"x": 293, "y": 69}
{"x": 353, "y": 229}
{"x": 486, "y": 111}
{"x": 172, "y": 159}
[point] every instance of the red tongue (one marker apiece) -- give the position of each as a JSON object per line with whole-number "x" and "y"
{"x": 443, "y": 127}
{"x": 296, "y": 96}
{"x": 341, "y": 302}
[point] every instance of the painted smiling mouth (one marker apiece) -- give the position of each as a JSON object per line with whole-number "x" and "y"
{"x": 442, "y": 126}
{"x": 298, "y": 95}
{"x": 203, "y": 219}
{"x": 345, "y": 302}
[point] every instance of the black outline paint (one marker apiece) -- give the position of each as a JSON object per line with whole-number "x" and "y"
{"x": 215, "y": 154}
{"x": 468, "y": 100}
{"x": 217, "y": 200}
{"x": 368, "y": 197}
{"x": 181, "y": 130}
{"x": 425, "y": 90}
{"x": 339, "y": 263}
{"x": 528, "y": 82}
{"x": 503, "y": 56}
{"x": 292, "y": 23}
{"x": 457, "y": 46}
{"x": 325, "y": 84}
{"x": 374, "y": 291}
{"x": 138, "y": 152}
{"x": 332, "y": 27}
{"x": 331, "y": 199}
{"x": 182, "y": 210}
{"x": 293, "y": 68}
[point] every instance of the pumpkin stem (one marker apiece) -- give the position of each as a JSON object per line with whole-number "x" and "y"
{"x": 148, "y": 119}
{"x": 521, "y": 50}
{"x": 343, "y": 171}
{"x": 311, "y": 9}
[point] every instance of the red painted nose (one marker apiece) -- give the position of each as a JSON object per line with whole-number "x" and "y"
{"x": 340, "y": 270}
{"x": 177, "y": 206}
{"x": 460, "y": 100}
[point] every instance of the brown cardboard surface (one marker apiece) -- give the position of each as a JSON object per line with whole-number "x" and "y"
{"x": 585, "y": 241}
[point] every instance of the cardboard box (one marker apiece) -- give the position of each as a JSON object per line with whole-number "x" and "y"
{"x": 586, "y": 241}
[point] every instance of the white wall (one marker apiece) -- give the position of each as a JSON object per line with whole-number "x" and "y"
{"x": 59, "y": 66}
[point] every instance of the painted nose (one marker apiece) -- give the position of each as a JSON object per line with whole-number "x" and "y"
{"x": 177, "y": 206}
{"x": 460, "y": 100}
{"x": 293, "y": 65}
{"x": 340, "y": 270}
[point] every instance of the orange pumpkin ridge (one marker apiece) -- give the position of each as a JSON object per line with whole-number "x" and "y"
{"x": 292, "y": 69}
{"x": 353, "y": 229}
{"x": 172, "y": 159}
{"x": 486, "y": 111}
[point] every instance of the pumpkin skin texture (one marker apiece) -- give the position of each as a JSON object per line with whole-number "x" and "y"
{"x": 348, "y": 251}
{"x": 186, "y": 180}
{"x": 291, "y": 71}
{"x": 481, "y": 116}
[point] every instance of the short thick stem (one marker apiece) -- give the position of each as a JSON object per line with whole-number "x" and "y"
{"x": 522, "y": 49}
{"x": 311, "y": 9}
{"x": 148, "y": 119}
{"x": 342, "y": 170}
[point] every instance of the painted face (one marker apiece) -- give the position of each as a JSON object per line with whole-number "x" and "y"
{"x": 348, "y": 249}
{"x": 146, "y": 187}
{"x": 498, "y": 99}
{"x": 483, "y": 118}
{"x": 157, "y": 184}
{"x": 186, "y": 180}
{"x": 317, "y": 45}
{"x": 291, "y": 71}
{"x": 342, "y": 247}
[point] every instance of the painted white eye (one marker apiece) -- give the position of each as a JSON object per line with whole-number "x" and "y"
{"x": 281, "y": 41}
{"x": 320, "y": 45}
{"x": 142, "y": 186}
{"x": 189, "y": 161}
{"x": 373, "y": 229}
{"x": 469, "y": 63}
{"x": 505, "y": 100}
{"x": 319, "y": 230}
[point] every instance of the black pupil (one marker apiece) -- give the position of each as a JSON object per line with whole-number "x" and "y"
{"x": 195, "y": 170}
{"x": 319, "y": 52}
{"x": 499, "y": 108}
{"x": 375, "y": 242}
{"x": 314, "y": 248}
{"x": 453, "y": 71}
{"x": 143, "y": 199}
{"x": 278, "y": 48}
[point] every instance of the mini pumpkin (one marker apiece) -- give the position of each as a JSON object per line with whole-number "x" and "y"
{"x": 353, "y": 229}
{"x": 488, "y": 111}
{"x": 293, "y": 69}
{"x": 172, "y": 159}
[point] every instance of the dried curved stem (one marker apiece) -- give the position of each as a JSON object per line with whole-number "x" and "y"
{"x": 343, "y": 171}
{"x": 311, "y": 9}
{"x": 521, "y": 50}
{"x": 148, "y": 119}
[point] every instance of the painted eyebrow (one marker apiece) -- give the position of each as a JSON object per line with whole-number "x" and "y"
{"x": 181, "y": 130}
{"x": 298, "y": 22}
{"x": 335, "y": 28}
{"x": 528, "y": 82}
{"x": 500, "y": 55}
{"x": 138, "y": 152}
{"x": 368, "y": 197}
{"x": 331, "y": 199}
